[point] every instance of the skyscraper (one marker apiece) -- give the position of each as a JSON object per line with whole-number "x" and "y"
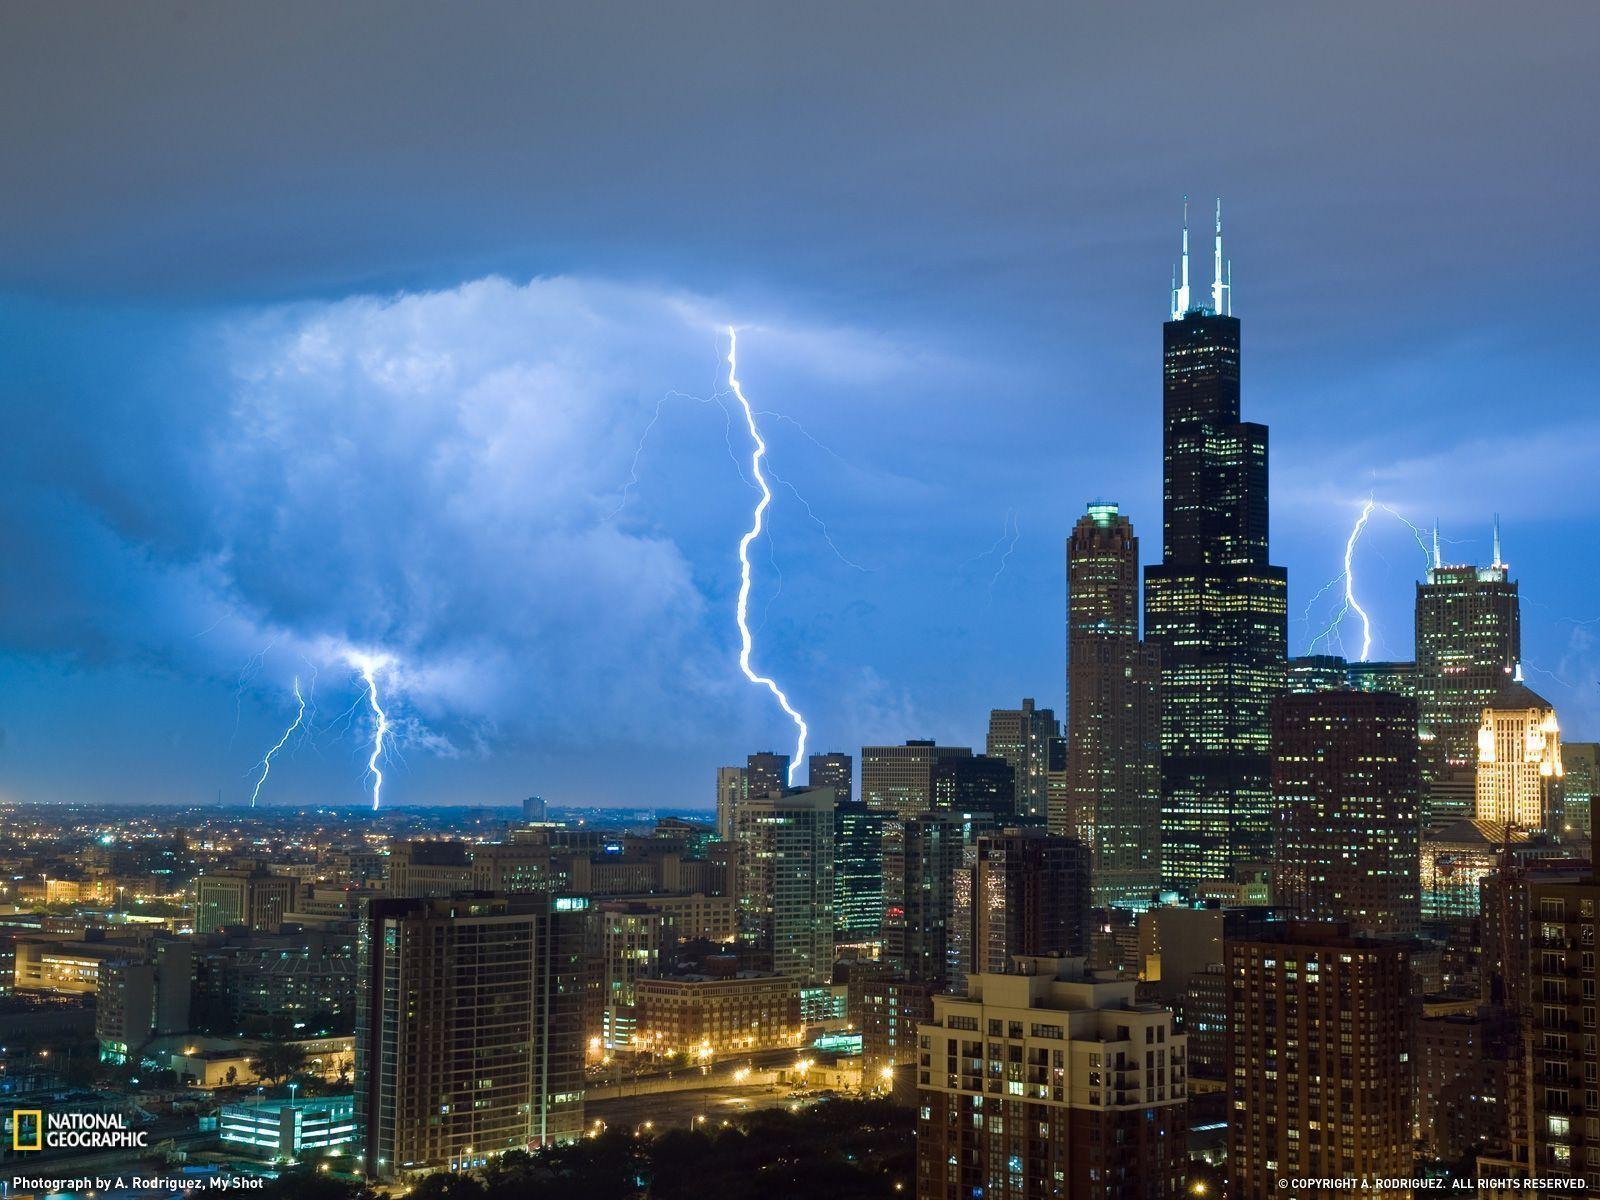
{"x": 1345, "y": 795}
{"x": 733, "y": 784}
{"x": 898, "y": 780}
{"x": 1319, "y": 1059}
{"x": 1022, "y": 736}
{"x": 469, "y": 1030}
{"x": 786, "y": 881}
{"x": 766, "y": 772}
{"x": 833, "y": 769}
{"x": 920, "y": 859}
{"x": 1519, "y": 771}
{"x": 1215, "y": 606}
{"x": 1582, "y": 760}
{"x": 1113, "y": 712}
{"x": 1046, "y": 1082}
{"x": 1469, "y": 640}
{"x": 858, "y": 872}
{"x": 1022, "y": 892}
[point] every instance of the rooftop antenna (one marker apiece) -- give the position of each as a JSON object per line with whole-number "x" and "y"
{"x": 1180, "y": 294}
{"x": 1220, "y": 288}
{"x": 1230, "y": 287}
{"x": 1497, "y": 561}
{"x": 1437, "y": 563}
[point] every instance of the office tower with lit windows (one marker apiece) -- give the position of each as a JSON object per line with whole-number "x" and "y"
{"x": 1582, "y": 761}
{"x": 1519, "y": 775}
{"x": 898, "y": 780}
{"x": 253, "y": 897}
{"x": 765, "y": 772}
{"x": 921, "y": 859}
{"x": 786, "y": 881}
{"x": 975, "y": 783}
{"x": 1021, "y": 736}
{"x": 469, "y": 1030}
{"x": 733, "y": 785}
{"x": 1400, "y": 678}
{"x": 1046, "y": 1082}
{"x": 1469, "y": 641}
{"x": 1319, "y": 1059}
{"x": 1018, "y": 892}
{"x": 857, "y": 873}
{"x": 1215, "y": 606}
{"x": 1113, "y": 753}
{"x": 1345, "y": 794}
{"x": 833, "y": 769}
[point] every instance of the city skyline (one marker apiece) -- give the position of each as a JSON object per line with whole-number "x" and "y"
{"x": 558, "y": 601}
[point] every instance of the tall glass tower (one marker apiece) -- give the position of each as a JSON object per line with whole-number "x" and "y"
{"x": 1215, "y": 606}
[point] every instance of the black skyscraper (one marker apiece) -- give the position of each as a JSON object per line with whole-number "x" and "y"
{"x": 1215, "y": 606}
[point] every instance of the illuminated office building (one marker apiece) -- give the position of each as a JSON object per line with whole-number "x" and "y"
{"x": 1215, "y": 606}
{"x": 833, "y": 769}
{"x": 1021, "y": 736}
{"x": 1519, "y": 772}
{"x": 786, "y": 889}
{"x": 1469, "y": 640}
{"x": 1113, "y": 753}
{"x": 1345, "y": 796}
{"x": 858, "y": 873}
{"x": 1582, "y": 761}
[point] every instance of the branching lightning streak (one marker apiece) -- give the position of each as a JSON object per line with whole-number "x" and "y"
{"x": 1348, "y": 579}
{"x": 743, "y": 607}
{"x": 820, "y": 523}
{"x": 368, "y": 666}
{"x": 266, "y": 759}
{"x": 1422, "y": 542}
{"x": 1015, "y": 531}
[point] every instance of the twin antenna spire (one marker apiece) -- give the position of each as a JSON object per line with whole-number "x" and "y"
{"x": 1498, "y": 561}
{"x": 1221, "y": 273}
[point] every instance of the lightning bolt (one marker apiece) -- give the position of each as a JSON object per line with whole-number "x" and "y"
{"x": 1015, "y": 530}
{"x": 266, "y": 759}
{"x": 743, "y": 607}
{"x": 369, "y": 666}
{"x": 1347, "y": 577}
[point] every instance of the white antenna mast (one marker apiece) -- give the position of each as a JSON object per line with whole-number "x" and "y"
{"x": 1221, "y": 289}
{"x": 1180, "y": 294}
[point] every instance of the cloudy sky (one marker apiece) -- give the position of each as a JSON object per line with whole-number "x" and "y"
{"x": 394, "y": 330}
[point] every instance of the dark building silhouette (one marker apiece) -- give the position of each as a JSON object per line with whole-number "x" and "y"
{"x": 833, "y": 769}
{"x": 1113, "y": 760}
{"x": 1345, "y": 796}
{"x": 1214, "y": 606}
{"x": 1018, "y": 892}
{"x": 766, "y": 772}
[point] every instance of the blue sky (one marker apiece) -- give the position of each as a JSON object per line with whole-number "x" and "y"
{"x": 397, "y": 331}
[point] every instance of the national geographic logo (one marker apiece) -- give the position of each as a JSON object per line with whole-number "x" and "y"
{"x": 33, "y": 1129}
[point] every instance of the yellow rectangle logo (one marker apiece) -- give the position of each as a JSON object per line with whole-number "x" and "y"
{"x": 18, "y": 1117}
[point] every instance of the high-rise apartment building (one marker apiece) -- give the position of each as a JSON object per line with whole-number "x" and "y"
{"x": 1019, "y": 892}
{"x": 1113, "y": 754}
{"x": 733, "y": 786}
{"x": 834, "y": 769}
{"x": 1043, "y": 1082}
{"x": 1021, "y": 736}
{"x": 921, "y": 857}
{"x": 469, "y": 1030}
{"x": 857, "y": 873}
{"x": 1319, "y": 1059}
{"x": 1345, "y": 793}
{"x": 1215, "y": 606}
{"x": 1469, "y": 640}
{"x": 786, "y": 891}
{"x": 1519, "y": 773}
{"x": 1560, "y": 1063}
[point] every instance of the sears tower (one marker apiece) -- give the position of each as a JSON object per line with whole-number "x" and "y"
{"x": 1215, "y": 607}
